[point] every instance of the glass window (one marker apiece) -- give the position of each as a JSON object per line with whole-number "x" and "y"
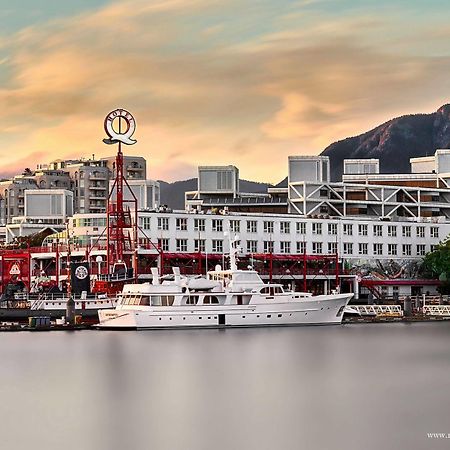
{"x": 199, "y": 224}
{"x": 406, "y": 231}
{"x": 316, "y": 228}
{"x": 217, "y": 225}
{"x": 285, "y": 247}
{"x": 332, "y": 229}
{"x": 285, "y": 227}
{"x": 348, "y": 229}
{"x": 378, "y": 230}
{"x": 378, "y": 249}
{"x": 181, "y": 245}
{"x": 268, "y": 246}
{"x": 392, "y": 231}
{"x": 163, "y": 223}
{"x": 392, "y": 249}
{"x": 301, "y": 247}
{"x": 362, "y": 229}
{"x": 406, "y": 249}
{"x": 199, "y": 245}
{"x": 268, "y": 226}
{"x": 421, "y": 250}
{"x": 217, "y": 246}
{"x": 235, "y": 226}
{"x": 348, "y": 248}
{"x": 420, "y": 232}
{"x": 301, "y": 227}
{"x": 317, "y": 248}
{"x": 332, "y": 248}
{"x": 251, "y": 226}
{"x": 252, "y": 246}
{"x": 362, "y": 248}
{"x": 434, "y": 232}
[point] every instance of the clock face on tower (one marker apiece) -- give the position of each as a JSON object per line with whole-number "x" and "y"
{"x": 81, "y": 272}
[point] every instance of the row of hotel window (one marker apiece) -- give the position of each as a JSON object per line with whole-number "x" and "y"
{"x": 300, "y": 227}
{"x": 318, "y": 248}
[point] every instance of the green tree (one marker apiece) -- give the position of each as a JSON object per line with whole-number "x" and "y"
{"x": 436, "y": 264}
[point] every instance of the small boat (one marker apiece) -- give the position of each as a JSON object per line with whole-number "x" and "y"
{"x": 225, "y": 298}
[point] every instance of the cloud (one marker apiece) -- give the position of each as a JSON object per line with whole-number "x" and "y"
{"x": 208, "y": 83}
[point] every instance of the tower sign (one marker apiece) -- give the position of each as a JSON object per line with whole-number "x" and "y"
{"x": 123, "y": 136}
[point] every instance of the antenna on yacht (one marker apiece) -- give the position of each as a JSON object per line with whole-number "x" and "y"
{"x": 233, "y": 240}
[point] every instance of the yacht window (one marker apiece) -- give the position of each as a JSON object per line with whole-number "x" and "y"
{"x": 167, "y": 300}
{"x": 210, "y": 300}
{"x": 145, "y": 300}
{"x": 156, "y": 300}
{"x": 192, "y": 300}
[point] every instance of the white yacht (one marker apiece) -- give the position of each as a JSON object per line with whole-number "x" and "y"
{"x": 225, "y": 298}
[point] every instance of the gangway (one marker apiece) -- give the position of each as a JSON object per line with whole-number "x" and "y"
{"x": 437, "y": 310}
{"x": 375, "y": 310}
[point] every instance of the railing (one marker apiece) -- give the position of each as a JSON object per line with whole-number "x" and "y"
{"x": 437, "y": 310}
{"x": 375, "y": 310}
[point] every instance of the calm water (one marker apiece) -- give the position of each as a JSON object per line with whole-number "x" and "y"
{"x": 378, "y": 386}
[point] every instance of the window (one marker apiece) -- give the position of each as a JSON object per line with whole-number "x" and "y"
{"x": 378, "y": 249}
{"x": 406, "y": 249}
{"x": 268, "y": 246}
{"x": 348, "y": 248}
{"x": 251, "y": 226}
{"x": 285, "y": 227}
{"x": 421, "y": 250}
{"x": 332, "y": 229}
{"x": 362, "y": 248}
{"x": 348, "y": 229}
{"x": 434, "y": 232}
{"x": 420, "y": 232}
{"x": 217, "y": 245}
{"x": 285, "y": 247}
{"x": 252, "y": 246}
{"x": 268, "y": 226}
{"x": 199, "y": 245}
{"x": 163, "y": 223}
{"x": 301, "y": 227}
{"x": 406, "y": 231}
{"x": 163, "y": 244}
{"x": 392, "y": 231}
{"x": 199, "y": 224}
{"x": 316, "y": 228}
{"x": 317, "y": 248}
{"x": 301, "y": 247}
{"x": 235, "y": 226}
{"x": 332, "y": 248}
{"x": 181, "y": 245}
{"x": 217, "y": 225}
{"x": 392, "y": 249}
{"x": 433, "y": 247}
{"x": 362, "y": 230}
{"x": 145, "y": 223}
{"x": 378, "y": 230}
{"x": 181, "y": 224}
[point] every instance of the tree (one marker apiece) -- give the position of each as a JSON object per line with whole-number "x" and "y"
{"x": 27, "y": 172}
{"x": 436, "y": 264}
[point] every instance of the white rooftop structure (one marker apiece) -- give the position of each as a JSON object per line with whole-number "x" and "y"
{"x": 361, "y": 166}
{"x": 218, "y": 180}
{"x": 439, "y": 163}
{"x": 309, "y": 168}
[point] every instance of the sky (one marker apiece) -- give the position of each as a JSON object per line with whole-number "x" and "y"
{"x": 213, "y": 81}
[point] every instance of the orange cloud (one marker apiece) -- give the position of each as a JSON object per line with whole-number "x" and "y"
{"x": 199, "y": 94}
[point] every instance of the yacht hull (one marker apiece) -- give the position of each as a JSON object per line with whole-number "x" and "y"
{"x": 317, "y": 310}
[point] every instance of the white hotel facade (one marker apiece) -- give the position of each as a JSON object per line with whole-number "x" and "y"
{"x": 352, "y": 238}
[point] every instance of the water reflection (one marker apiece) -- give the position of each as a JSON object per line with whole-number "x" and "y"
{"x": 352, "y": 387}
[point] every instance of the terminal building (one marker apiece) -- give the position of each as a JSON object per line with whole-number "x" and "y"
{"x": 371, "y": 226}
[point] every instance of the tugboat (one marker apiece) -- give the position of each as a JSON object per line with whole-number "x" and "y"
{"x": 225, "y": 298}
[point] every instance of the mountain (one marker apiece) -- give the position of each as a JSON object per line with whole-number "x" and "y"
{"x": 172, "y": 194}
{"x": 394, "y": 142}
